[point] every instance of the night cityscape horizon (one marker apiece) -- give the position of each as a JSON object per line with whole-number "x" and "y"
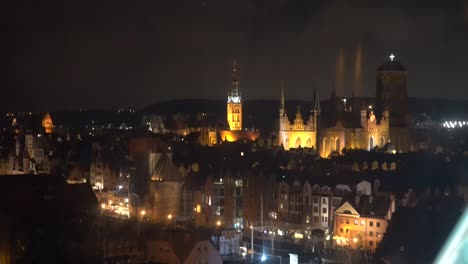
{"x": 212, "y": 132}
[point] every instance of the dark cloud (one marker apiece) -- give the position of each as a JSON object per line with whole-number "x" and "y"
{"x": 132, "y": 53}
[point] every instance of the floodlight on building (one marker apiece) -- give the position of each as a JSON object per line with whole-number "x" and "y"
{"x": 298, "y": 235}
{"x": 218, "y": 223}
{"x": 143, "y": 212}
{"x": 169, "y": 216}
{"x": 355, "y": 240}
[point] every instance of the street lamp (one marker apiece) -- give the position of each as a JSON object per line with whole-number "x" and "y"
{"x": 251, "y": 242}
{"x": 263, "y": 258}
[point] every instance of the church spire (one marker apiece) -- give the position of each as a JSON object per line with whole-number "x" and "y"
{"x": 234, "y": 94}
{"x": 234, "y": 102}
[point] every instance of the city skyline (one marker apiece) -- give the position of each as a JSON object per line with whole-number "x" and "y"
{"x": 132, "y": 55}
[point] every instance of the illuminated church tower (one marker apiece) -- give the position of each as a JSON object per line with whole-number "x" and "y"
{"x": 234, "y": 102}
{"x": 47, "y": 123}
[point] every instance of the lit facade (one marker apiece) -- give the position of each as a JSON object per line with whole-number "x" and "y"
{"x": 47, "y": 123}
{"x": 355, "y": 124}
{"x": 101, "y": 175}
{"x": 358, "y": 231}
{"x": 370, "y": 134}
{"x": 298, "y": 134}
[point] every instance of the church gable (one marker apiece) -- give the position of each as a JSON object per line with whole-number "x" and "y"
{"x": 347, "y": 208}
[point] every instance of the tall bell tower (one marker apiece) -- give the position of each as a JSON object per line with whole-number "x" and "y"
{"x": 392, "y": 92}
{"x": 234, "y": 102}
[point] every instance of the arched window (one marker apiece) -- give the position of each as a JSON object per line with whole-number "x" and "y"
{"x": 324, "y": 147}
{"x": 382, "y": 141}
{"x": 309, "y": 143}
{"x": 338, "y": 144}
{"x": 286, "y": 143}
{"x": 332, "y": 144}
{"x": 298, "y": 142}
{"x": 371, "y": 143}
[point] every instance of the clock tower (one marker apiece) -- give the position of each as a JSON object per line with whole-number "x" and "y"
{"x": 234, "y": 102}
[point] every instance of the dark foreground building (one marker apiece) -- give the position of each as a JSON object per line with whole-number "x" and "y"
{"x": 45, "y": 220}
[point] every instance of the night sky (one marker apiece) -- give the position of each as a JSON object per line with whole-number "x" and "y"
{"x": 109, "y": 54}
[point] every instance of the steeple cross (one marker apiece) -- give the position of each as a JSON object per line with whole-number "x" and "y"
{"x": 392, "y": 57}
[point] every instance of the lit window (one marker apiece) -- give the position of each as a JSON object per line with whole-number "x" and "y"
{"x": 355, "y": 221}
{"x": 378, "y": 234}
{"x": 362, "y": 222}
{"x": 281, "y": 205}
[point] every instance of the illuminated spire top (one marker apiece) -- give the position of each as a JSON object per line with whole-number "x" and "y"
{"x": 234, "y": 94}
{"x": 392, "y": 57}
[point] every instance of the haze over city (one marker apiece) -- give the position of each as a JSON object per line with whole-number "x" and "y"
{"x": 222, "y": 132}
{"x": 113, "y": 54}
